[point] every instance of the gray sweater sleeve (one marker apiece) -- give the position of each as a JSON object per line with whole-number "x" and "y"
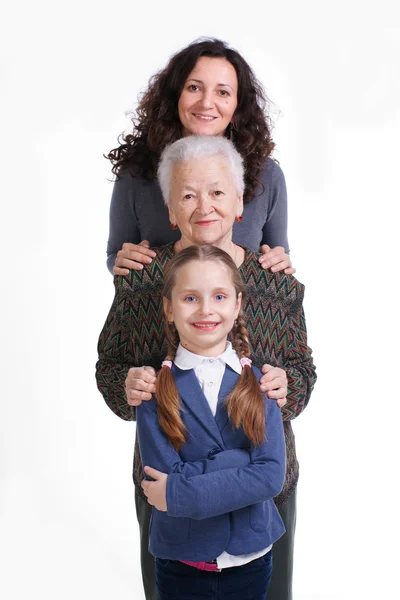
{"x": 123, "y": 221}
{"x": 275, "y": 227}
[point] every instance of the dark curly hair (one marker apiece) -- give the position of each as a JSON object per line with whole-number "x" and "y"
{"x": 157, "y": 124}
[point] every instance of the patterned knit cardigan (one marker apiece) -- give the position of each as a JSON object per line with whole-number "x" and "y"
{"x": 133, "y": 336}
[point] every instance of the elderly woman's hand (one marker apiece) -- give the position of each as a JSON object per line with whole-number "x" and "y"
{"x": 274, "y": 382}
{"x": 133, "y": 256}
{"x": 276, "y": 259}
{"x": 140, "y": 385}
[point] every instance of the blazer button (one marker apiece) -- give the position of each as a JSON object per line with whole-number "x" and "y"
{"x": 213, "y": 452}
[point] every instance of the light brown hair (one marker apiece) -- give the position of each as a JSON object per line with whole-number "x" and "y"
{"x": 244, "y": 404}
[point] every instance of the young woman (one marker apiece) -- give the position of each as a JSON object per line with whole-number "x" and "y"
{"x": 212, "y": 443}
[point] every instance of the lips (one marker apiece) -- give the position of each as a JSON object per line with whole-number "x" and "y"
{"x": 206, "y": 223}
{"x": 205, "y": 325}
{"x": 205, "y": 118}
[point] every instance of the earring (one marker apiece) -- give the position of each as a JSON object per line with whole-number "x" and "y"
{"x": 173, "y": 226}
{"x": 238, "y": 219}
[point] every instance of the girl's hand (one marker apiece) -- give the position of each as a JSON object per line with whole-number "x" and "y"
{"x": 274, "y": 382}
{"x": 276, "y": 259}
{"x": 156, "y": 491}
{"x": 133, "y": 256}
{"x": 140, "y": 384}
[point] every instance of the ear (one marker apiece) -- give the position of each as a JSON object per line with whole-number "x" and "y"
{"x": 239, "y": 205}
{"x": 238, "y": 305}
{"x": 167, "y": 310}
{"x": 171, "y": 213}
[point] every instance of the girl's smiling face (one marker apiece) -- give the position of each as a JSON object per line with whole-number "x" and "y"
{"x": 203, "y": 306}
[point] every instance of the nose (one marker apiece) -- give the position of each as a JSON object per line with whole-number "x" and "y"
{"x": 204, "y": 206}
{"x": 207, "y": 99}
{"x": 205, "y": 308}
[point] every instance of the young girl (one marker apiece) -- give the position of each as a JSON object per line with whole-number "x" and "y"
{"x": 213, "y": 444}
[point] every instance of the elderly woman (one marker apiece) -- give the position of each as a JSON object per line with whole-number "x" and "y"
{"x": 202, "y": 183}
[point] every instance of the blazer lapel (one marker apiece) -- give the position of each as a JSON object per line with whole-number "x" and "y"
{"x": 193, "y": 398}
{"x": 228, "y": 383}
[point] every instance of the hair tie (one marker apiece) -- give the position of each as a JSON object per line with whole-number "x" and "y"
{"x": 166, "y": 363}
{"x": 245, "y": 361}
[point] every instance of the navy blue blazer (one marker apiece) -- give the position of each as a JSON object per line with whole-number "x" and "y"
{"x": 220, "y": 487}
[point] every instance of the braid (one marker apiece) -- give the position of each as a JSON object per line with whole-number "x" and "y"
{"x": 168, "y": 403}
{"x": 245, "y": 405}
{"x": 239, "y": 337}
{"x": 172, "y": 336}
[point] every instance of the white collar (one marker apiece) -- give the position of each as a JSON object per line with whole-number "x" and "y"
{"x": 185, "y": 359}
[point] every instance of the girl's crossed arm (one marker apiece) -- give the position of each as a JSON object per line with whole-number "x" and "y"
{"x": 224, "y": 487}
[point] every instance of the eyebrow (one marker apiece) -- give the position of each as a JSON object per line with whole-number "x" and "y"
{"x": 189, "y": 188}
{"x": 218, "y": 84}
{"x": 214, "y": 290}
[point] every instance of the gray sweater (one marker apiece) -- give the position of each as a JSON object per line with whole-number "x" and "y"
{"x": 138, "y": 213}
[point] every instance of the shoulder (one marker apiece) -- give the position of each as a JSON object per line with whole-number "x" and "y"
{"x": 278, "y": 284}
{"x": 256, "y": 372}
{"x": 151, "y": 274}
{"x": 269, "y": 404}
{"x": 272, "y": 174}
{"x": 127, "y": 180}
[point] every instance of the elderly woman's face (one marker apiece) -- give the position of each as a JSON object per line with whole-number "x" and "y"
{"x": 203, "y": 201}
{"x": 209, "y": 97}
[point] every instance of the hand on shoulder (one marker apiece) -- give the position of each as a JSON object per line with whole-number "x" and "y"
{"x": 133, "y": 256}
{"x": 276, "y": 260}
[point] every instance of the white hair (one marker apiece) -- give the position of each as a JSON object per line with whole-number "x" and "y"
{"x": 199, "y": 146}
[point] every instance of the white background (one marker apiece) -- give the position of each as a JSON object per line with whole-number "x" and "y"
{"x": 69, "y": 71}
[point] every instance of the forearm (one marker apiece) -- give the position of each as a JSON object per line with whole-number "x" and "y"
{"x": 301, "y": 381}
{"x": 221, "y": 492}
{"x": 299, "y": 366}
{"x": 200, "y": 497}
{"x": 116, "y": 352}
{"x": 110, "y": 379}
{"x": 226, "y": 459}
{"x": 111, "y": 258}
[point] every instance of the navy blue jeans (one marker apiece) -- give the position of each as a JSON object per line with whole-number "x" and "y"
{"x": 177, "y": 581}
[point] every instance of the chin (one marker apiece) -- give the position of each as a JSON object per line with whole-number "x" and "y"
{"x": 200, "y": 129}
{"x": 206, "y": 242}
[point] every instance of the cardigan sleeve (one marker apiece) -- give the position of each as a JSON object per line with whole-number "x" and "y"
{"x": 299, "y": 364}
{"x": 123, "y": 221}
{"x": 223, "y": 491}
{"x": 157, "y": 452}
{"x": 114, "y": 358}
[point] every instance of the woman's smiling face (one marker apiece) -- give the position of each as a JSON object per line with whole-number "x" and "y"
{"x": 209, "y": 97}
{"x": 204, "y": 201}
